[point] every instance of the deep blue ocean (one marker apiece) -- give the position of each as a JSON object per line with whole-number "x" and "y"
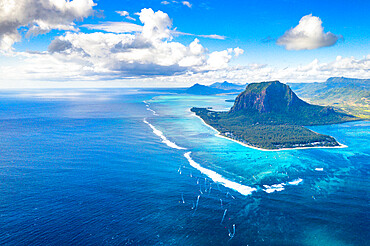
{"x": 136, "y": 167}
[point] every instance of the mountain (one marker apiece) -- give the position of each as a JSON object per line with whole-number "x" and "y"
{"x": 267, "y": 97}
{"x": 275, "y": 103}
{"x": 215, "y": 88}
{"x": 198, "y": 89}
{"x": 350, "y": 95}
{"x": 228, "y": 86}
{"x": 270, "y": 115}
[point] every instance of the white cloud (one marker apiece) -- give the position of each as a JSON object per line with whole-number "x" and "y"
{"x": 313, "y": 71}
{"x": 161, "y": 20}
{"x": 186, "y": 3}
{"x": 307, "y": 35}
{"x": 212, "y": 36}
{"x": 126, "y": 51}
{"x": 219, "y": 59}
{"x": 156, "y": 24}
{"x": 238, "y": 51}
{"x": 126, "y": 15}
{"x": 123, "y": 13}
{"x": 130, "y": 18}
{"x": 115, "y": 27}
{"x": 39, "y": 16}
{"x": 78, "y": 70}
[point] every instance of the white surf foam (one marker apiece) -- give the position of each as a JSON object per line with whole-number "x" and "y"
{"x": 273, "y": 188}
{"x": 280, "y": 187}
{"x": 151, "y": 110}
{"x": 296, "y": 181}
{"x": 217, "y": 178}
{"x": 320, "y": 169}
{"x": 163, "y": 137}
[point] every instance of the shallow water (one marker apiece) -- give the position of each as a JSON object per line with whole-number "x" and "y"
{"x": 82, "y": 167}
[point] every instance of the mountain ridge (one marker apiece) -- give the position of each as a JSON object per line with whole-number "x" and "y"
{"x": 228, "y": 86}
{"x": 349, "y": 94}
{"x": 215, "y": 88}
{"x": 198, "y": 89}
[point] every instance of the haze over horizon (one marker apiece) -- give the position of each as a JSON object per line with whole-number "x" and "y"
{"x": 89, "y": 43}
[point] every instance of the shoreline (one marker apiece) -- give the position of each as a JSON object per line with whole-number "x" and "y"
{"x": 218, "y": 134}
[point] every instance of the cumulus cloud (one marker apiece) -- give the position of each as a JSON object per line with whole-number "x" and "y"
{"x": 38, "y": 17}
{"x": 314, "y": 71}
{"x": 311, "y": 72}
{"x": 84, "y": 70}
{"x": 238, "y": 51}
{"x": 129, "y": 50}
{"x": 307, "y": 35}
{"x": 156, "y": 24}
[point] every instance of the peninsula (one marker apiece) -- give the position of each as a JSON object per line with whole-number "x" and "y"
{"x": 269, "y": 115}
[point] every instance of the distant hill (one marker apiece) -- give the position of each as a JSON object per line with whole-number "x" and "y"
{"x": 270, "y": 115}
{"x": 228, "y": 86}
{"x": 343, "y": 80}
{"x": 351, "y": 95}
{"x": 198, "y": 89}
{"x": 215, "y": 88}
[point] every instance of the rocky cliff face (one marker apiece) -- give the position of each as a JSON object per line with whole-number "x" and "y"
{"x": 266, "y": 97}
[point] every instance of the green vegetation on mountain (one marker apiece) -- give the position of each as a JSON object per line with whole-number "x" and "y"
{"x": 350, "y": 95}
{"x": 269, "y": 115}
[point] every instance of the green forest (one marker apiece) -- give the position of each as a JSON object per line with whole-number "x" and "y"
{"x": 273, "y": 130}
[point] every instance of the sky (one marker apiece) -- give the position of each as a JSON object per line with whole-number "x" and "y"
{"x": 155, "y": 43}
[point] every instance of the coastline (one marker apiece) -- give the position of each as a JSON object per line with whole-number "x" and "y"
{"x": 218, "y": 134}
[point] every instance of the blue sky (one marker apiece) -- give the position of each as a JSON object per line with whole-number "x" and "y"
{"x": 257, "y": 27}
{"x": 247, "y": 23}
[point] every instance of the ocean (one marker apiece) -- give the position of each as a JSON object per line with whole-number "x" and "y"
{"x": 136, "y": 167}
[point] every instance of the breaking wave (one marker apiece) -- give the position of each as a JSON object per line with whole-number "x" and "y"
{"x": 163, "y": 137}
{"x": 217, "y": 178}
{"x": 149, "y": 109}
{"x": 280, "y": 187}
